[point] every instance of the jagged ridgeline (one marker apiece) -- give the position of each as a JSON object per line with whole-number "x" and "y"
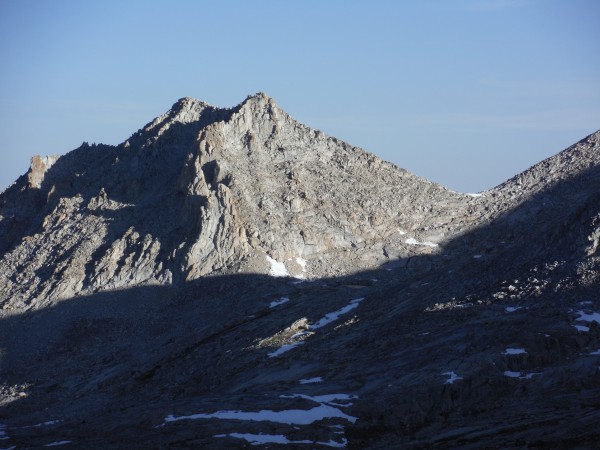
{"x": 202, "y": 190}
{"x": 230, "y": 277}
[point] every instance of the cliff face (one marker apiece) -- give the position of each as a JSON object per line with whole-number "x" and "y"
{"x": 229, "y": 277}
{"x": 202, "y": 190}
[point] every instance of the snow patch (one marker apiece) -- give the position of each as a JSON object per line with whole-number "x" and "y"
{"x": 311, "y": 380}
{"x": 508, "y": 373}
{"x": 510, "y": 309}
{"x": 413, "y": 241}
{"x": 302, "y": 263}
{"x": 588, "y": 317}
{"x": 520, "y": 375}
{"x": 277, "y": 268}
{"x": 452, "y": 377}
{"x": 284, "y": 348}
{"x": 329, "y": 399}
{"x": 597, "y": 352}
{"x": 288, "y": 416}
{"x": 479, "y": 194}
{"x": 477, "y": 256}
{"x": 57, "y": 443}
{"x": 326, "y": 409}
{"x": 582, "y": 328}
{"x": 281, "y": 301}
{"x": 332, "y": 443}
{"x": 528, "y": 376}
{"x": 514, "y": 351}
{"x": 43, "y": 424}
{"x": 260, "y": 439}
{"x": 335, "y": 315}
{"x": 323, "y": 321}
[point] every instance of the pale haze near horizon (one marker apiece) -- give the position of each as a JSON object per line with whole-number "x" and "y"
{"x": 464, "y": 93}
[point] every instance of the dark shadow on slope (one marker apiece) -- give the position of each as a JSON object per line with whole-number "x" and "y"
{"x": 552, "y": 225}
{"x": 133, "y": 356}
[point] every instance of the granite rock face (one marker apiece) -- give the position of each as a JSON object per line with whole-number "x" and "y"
{"x": 202, "y": 190}
{"x": 230, "y": 277}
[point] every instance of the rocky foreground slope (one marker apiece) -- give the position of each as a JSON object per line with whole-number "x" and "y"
{"x": 230, "y": 277}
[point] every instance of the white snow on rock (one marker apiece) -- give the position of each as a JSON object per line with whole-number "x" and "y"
{"x": 511, "y": 374}
{"x": 302, "y": 263}
{"x": 57, "y": 443}
{"x": 43, "y": 424}
{"x": 281, "y": 301}
{"x": 529, "y": 376}
{"x": 413, "y": 241}
{"x": 479, "y": 194}
{"x": 326, "y": 409}
{"x": 452, "y": 377}
{"x": 299, "y": 338}
{"x": 588, "y": 317}
{"x": 332, "y": 443}
{"x": 288, "y": 416}
{"x": 510, "y": 309}
{"x": 284, "y": 348}
{"x": 311, "y": 380}
{"x": 277, "y": 268}
{"x": 260, "y": 439}
{"x": 582, "y": 328}
{"x": 520, "y": 375}
{"x": 335, "y": 315}
{"x": 596, "y": 352}
{"x": 514, "y": 351}
{"x": 329, "y": 399}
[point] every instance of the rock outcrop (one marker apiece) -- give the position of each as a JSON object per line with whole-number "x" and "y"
{"x": 202, "y": 190}
{"x": 230, "y": 277}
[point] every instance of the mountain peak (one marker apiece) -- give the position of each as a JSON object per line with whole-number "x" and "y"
{"x": 259, "y": 100}
{"x": 159, "y": 273}
{"x": 188, "y": 109}
{"x": 218, "y": 189}
{"x": 259, "y": 96}
{"x": 263, "y": 183}
{"x": 185, "y": 104}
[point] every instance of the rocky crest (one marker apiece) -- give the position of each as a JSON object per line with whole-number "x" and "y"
{"x": 230, "y": 277}
{"x": 202, "y": 190}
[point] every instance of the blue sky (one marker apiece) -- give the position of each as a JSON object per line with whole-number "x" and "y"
{"x": 466, "y": 93}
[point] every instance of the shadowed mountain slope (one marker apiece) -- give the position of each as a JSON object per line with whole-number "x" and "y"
{"x": 140, "y": 306}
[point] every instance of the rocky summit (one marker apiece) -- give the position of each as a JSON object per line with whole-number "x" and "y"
{"x": 228, "y": 278}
